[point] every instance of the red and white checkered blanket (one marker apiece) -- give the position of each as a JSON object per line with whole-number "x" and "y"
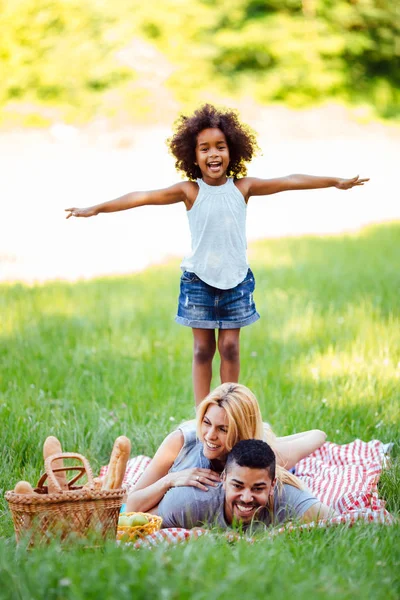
{"x": 177, "y": 534}
{"x": 344, "y": 477}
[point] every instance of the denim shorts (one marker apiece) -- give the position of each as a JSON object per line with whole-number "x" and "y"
{"x": 205, "y": 307}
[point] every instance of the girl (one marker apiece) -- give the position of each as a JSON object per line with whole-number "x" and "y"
{"x": 212, "y": 148}
{"x": 195, "y": 454}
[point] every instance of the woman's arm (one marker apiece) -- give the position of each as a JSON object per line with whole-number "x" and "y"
{"x": 292, "y": 448}
{"x": 252, "y": 186}
{"x": 154, "y": 483}
{"x": 156, "y": 479}
{"x": 171, "y": 195}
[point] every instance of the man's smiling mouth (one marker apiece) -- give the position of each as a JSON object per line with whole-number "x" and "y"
{"x": 245, "y": 509}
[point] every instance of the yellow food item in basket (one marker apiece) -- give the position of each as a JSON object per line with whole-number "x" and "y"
{"x": 136, "y": 525}
{"x": 132, "y": 520}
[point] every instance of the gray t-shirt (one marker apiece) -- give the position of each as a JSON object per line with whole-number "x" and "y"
{"x": 190, "y": 507}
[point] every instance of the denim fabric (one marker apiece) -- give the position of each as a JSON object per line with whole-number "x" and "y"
{"x": 205, "y": 307}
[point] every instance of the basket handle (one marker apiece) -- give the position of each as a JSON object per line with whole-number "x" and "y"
{"x": 50, "y": 473}
{"x": 81, "y": 471}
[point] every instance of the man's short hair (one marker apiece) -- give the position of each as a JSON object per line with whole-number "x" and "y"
{"x": 254, "y": 454}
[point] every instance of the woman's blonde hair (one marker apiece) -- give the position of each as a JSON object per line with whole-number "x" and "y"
{"x": 242, "y": 410}
{"x": 284, "y": 476}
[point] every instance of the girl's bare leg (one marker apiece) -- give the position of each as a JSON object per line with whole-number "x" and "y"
{"x": 203, "y": 353}
{"x": 228, "y": 347}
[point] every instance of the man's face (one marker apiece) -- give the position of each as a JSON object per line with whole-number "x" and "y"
{"x": 246, "y": 492}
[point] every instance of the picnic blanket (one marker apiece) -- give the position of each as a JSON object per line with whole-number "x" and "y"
{"x": 342, "y": 476}
{"x": 345, "y": 477}
{"x": 175, "y": 535}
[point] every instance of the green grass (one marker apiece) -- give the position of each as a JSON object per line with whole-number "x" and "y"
{"x": 93, "y": 360}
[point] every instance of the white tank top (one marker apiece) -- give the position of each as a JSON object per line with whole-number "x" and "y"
{"x": 217, "y": 222}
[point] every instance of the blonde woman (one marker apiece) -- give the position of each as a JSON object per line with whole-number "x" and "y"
{"x": 195, "y": 454}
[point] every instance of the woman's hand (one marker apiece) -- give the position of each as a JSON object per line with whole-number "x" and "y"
{"x": 347, "y": 184}
{"x": 195, "y": 477}
{"x": 81, "y": 212}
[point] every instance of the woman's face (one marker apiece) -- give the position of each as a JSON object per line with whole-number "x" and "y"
{"x": 214, "y": 431}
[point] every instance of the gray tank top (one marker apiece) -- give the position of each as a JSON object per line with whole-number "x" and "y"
{"x": 217, "y": 222}
{"x": 191, "y": 453}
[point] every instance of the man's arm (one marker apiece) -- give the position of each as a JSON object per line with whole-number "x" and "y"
{"x": 294, "y": 504}
{"x": 317, "y": 512}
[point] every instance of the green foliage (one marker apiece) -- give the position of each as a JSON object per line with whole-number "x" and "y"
{"x": 370, "y": 30}
{"x": 56, "y": 52}
{"x": 315, "y": 565}
{"x": 310, "y": 50}
{"x": 64, "y": 52}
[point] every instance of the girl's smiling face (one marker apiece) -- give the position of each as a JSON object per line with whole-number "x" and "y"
{"x": 212, "y": 155}
{"x": 214, "y": 430}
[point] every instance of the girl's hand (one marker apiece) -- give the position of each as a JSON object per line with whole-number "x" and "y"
{"x": 347, "y": 184}
{"x": 81, "y": 212}
{"x": 195, "y": 477}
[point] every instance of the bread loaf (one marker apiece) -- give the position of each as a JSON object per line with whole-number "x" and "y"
{"x": 97, "y": 482}
{"x": 117, "y": 466}
{"x": 23, "y": 487}
{"x": 52, "y": 446}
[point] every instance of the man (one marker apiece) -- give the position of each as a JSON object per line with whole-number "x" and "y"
{"x": 249, "y": 494}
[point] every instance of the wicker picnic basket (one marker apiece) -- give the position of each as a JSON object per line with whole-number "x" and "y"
{"x": 65, "y": 514}
{"x": 130, "y": 534}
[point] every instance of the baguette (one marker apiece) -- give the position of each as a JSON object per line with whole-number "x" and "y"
{"x": 24, "y": 487}
{"x": 52, "y": 446}
{"x": 97, "y": 481}
{"x": 117, "y": 467}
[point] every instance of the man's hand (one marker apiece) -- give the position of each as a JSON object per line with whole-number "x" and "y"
{"x": 81, "y": 212}
{"x": 347, "y": 184}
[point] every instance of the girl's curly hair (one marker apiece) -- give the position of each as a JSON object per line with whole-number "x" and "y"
{"x": 241, "y": 140}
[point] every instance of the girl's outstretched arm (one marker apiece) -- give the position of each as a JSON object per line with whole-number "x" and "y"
{"x": 156, "y": 479}
{"x": 252, "y": 186}
{"x": 179, "y": 192}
